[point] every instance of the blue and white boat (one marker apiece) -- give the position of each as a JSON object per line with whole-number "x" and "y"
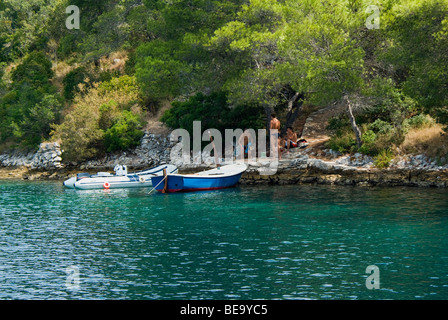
{"x": 121, "y": 178}
{"x": 219, "y": 178}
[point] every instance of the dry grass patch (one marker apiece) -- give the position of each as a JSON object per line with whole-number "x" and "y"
{"x": 429, "y": 140}
{"x": 114, "y": 61}
{"x": 61, "y": 69}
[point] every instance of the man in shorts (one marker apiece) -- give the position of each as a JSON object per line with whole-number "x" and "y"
{"x": 275, "y": 124}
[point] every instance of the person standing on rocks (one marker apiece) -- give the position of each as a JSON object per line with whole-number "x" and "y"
{"x": 275, "y": 124}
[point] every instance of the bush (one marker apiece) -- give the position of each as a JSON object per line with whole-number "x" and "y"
{"x": 103, "y": 118}
{"x": 338, "y": 124}
{"x": 441, "y": 114}
{"x": 417, "y": 122}
{"x": 127, "y": 85}
{"x": 67, "y": 45}
{"x": 344, "y": 142}
{"x": 109, "y": 114}
{"x": 37, "y": 123}
{"x": 71, "y": 81}
{"x": 80, "y": 133}
{"x": 35, "y": 70}
{"x": 369, "y": 147}
{"x": 125, "y": 133}
{"x": 381, "y": 127}
{"x": 383, "y": 159}
{"x": 376, "y": 136}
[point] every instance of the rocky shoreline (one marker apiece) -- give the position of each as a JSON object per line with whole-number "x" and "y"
{"x": 299, "y": 167}
{"x": 46, "y": 163}
{"x": 47, "y": 157}
{"x": 306, "y": 170}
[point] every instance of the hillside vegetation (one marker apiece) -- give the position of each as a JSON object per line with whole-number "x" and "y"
{"x": 228, "y": 63}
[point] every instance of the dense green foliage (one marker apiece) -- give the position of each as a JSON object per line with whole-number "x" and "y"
{"x": 105, "y": 118}
{"x": 214, "y": 112}
{"x": 32, "y": 103}
{"x": 125, "y": 132}
{"x": 228, "y": 63}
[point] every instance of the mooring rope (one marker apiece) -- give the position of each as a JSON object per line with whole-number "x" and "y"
{"x": 158, "y": 184}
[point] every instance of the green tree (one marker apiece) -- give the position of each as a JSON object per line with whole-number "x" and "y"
{"x": 175, "y": 63}
{"x": 23, "y": 26}
{"x": 159, "y": 71}
{"x": 31, "y": 103}
{"x": 35, "y": 70}
{"x": 418, "y": 52}
{"x": 72, "y": 80}
{"x": 2, "y": 82}
{"x": 293, "y": 52}
{"x": 36, "y": 124}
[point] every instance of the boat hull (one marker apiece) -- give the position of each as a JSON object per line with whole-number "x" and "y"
{"x": 70, "y": 183}
{"x": 178, "y": 183}
{"x": 199, "y": 184}
{"x": 189, "y": 183}
{"x": 134, "y": 180}
{"x": 129, "y": 181}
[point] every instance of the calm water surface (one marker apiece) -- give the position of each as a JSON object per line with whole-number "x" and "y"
{"x": 283, "y": 242}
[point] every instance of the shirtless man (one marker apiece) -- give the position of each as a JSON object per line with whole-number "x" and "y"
{"x": 245, "y": 143}
{"x": 275, "y": 124}
{"x": 290, "y": 139}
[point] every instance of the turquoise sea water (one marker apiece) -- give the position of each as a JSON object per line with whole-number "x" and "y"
{"x": 282, "y": 242}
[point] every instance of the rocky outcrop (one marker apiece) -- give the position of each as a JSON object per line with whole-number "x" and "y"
{"x": 47, "y": 163}
{"x": 347, "y": 170}
{"x": 419, "y": 162}
{"x": 153, "y": 150}
{"x": 47, "y": 157}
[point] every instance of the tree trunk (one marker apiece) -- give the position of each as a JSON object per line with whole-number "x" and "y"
{"x": 293, "y": 112}
{"x": 268, "y": 112}
{"x": 354, "y": 125}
